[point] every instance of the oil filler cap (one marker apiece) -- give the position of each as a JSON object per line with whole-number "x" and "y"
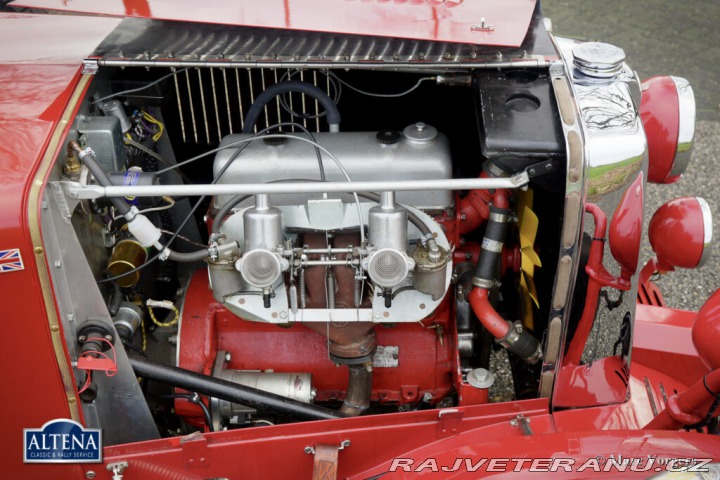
{"x": 598, "y": 60}
{"x": 420, "y": 133}
{"x": 275, "y": 141}
{"x": 388, "y": 137}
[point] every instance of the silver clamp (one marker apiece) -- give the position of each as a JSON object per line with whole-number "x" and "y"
{"x": 117, "y": 469}
{"x": 343, "y": 445}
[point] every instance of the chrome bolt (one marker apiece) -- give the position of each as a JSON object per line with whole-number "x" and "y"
{"x": 228, "y": 357}
{"x": 90, "y": 474}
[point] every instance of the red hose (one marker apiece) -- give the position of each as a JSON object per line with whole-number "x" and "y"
{"x": 474, "y": 208}
{"x": 577, "y": 345}
{"x": 487, "y": 315}
{"x": 688, "y": 407}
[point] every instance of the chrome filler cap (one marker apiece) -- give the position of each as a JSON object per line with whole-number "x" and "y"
{"x": 598, "y": 60}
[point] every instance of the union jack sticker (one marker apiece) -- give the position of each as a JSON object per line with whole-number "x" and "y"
{"x": 11, "y": 260}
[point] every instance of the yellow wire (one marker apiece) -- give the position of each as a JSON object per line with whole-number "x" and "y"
{"x": 157, "y": 122}
{"x": 164, "y": 324}
{"x": 144, "y": 336}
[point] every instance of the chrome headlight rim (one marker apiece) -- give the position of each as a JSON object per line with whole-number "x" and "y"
{"x": 686, "y": 126}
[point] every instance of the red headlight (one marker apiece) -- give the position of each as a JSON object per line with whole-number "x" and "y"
{"x": 667, "y": 110}
{"x": 681, "y": 233}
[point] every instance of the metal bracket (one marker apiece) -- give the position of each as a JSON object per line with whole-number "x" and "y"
{"x": 449, "y": 421}
{"x": 195, "y": 450}
{"x": 343, "y": 445}
{"x": 540, "y": 168}
{"x": 483, "y": 26}
{"x": 117, "y": 469}
{"x": 90, "y": 66}
{"x": 77, "y": 191}
{"x": 523, "y": 423}
{"x": 62, "y": 201}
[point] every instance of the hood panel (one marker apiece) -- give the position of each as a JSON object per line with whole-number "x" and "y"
{"x": 458, "y": 21}
{"x": 51, "y": 39}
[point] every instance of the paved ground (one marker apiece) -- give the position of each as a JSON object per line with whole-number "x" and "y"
{"x": 666, "y": 37}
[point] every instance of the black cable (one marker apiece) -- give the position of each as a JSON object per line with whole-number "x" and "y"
{"x": 195, "y": 398}
{"x": 401, "y": 289}
{"x": 714, "y": 406}
{"x": 337, "y": 93}
{"x": 135, "y": 349}
{"x": 182, "y": 225}
{"x": 384, "y": 95}
{"x": 197, "y": 204}
{"x": 139, "y": 89}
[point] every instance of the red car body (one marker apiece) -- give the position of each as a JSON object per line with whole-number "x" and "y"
{"x": 41, "y": 67}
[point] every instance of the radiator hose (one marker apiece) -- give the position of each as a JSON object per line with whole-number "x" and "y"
{"x": 511, "y": 336}
{"x": 333, "y": 114}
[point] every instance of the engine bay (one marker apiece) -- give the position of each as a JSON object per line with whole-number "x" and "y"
{"x": 351, "y": 300}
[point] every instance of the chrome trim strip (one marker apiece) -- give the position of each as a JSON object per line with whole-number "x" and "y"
{"x": 708, "y": 230}
{"x": 686, "y": 126}
{"x": 539, "y": 62}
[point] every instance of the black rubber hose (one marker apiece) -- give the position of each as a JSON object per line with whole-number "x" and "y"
{"x": 333, "y": 114}
{"x": 492, "y": 244}
{"x": 232, "y": 392}
{"x": 224, "y": 211}
{"x": 115, "y": 300}
{"x": 100, "y": 176}
{"x": 188, "y": 257}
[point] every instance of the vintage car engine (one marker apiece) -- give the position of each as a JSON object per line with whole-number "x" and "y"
{"x": 308, "y": 289}
{"x": 303, "y": 261}
{"x": 274, "y": 244}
